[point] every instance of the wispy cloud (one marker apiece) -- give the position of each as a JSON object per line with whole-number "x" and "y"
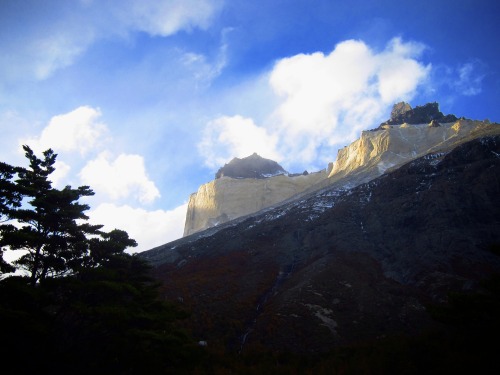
{"x": 470, "y": 78}
{"x": 164, "y": 18}
{"x": 462, "y": 79}
{"x": 55, "y": 42}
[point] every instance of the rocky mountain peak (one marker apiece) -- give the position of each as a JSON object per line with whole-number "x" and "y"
{"x": 253, "y": 166}
{"x": 403, "y": 113}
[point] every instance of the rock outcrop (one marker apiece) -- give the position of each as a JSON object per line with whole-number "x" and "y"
{"x": 253, "y": 166}
{"x": 403, "y": 113}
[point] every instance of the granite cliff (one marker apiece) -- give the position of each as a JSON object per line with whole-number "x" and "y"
{"x": 390, "y": 146}
{"x": 246, "y": 186}
{"x": 227, "y": 198}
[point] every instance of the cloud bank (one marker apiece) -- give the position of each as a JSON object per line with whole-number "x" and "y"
{"x": 324, "y": 102}
{"x": 148, "y": 228}
{"x": 123, "y": 177}
{"x": 114, "y": 179}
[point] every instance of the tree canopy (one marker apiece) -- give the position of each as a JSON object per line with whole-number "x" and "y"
{"x": 50, "y": 225}
{"x": 82, "y": 304}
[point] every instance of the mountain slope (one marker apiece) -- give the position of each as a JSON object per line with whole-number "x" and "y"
{"x": 341, "y": 266}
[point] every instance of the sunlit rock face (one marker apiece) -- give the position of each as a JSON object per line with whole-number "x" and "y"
{"x": 391, "y": 146}
{"x": 226, "y": 198}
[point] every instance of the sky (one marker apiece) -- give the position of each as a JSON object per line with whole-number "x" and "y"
{"x": 144, "y": 100}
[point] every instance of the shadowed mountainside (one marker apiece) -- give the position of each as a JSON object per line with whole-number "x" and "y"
{"x": 343, "y": 265}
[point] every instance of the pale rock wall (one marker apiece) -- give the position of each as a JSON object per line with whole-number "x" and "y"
{"x": 228, "y": 198}
{"x": 366, "y": 158}
{"x": 376, "y": 151}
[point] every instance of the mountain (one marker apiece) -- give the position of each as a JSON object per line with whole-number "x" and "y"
{"x": 248, "y": 185}
{"x": 348, "y": 262}
{"x": 242, "y": 187}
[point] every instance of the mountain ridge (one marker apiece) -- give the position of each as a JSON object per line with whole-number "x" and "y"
{"x": 342, "y": 265}
{"x": 375, "y": 151}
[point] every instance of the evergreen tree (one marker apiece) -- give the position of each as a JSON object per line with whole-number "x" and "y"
{"x": 86, "y": 305}
{"x": 52, "y": 228}
{"x": 10, "y": 198}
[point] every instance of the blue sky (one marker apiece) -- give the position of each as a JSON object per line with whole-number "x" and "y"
{"x": 145, "y": 100}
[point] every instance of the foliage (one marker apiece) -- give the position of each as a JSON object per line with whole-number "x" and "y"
{"x": 84, "y": 306}
{"x": 51, "y": 223}
{"x": 9, "y": 198}
{"x": 103, "y": 320}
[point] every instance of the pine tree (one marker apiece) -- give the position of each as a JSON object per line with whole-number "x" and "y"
{"x": 10, "y": 198}
{"x": 86, "y": 304}
{"x": 52, "y": 227}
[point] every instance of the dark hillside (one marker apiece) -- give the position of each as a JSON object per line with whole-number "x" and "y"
{"x": 344, "y": 266}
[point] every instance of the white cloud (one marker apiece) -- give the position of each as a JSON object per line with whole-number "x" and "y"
{"x": 78, "y": 130}
{"x": 328, "y": 99}
{"x": 59, "y": 175}
{"x": 325, "y": 101}
{"x": 235, "y": 137}
{"x": 148, "y": 228}
{"x": 399, "y": 73}
{"x": 123, "y": 177}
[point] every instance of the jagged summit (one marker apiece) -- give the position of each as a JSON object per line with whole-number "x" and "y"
{"x": 253, "y": 166}
{"x": 403, "y": 113}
